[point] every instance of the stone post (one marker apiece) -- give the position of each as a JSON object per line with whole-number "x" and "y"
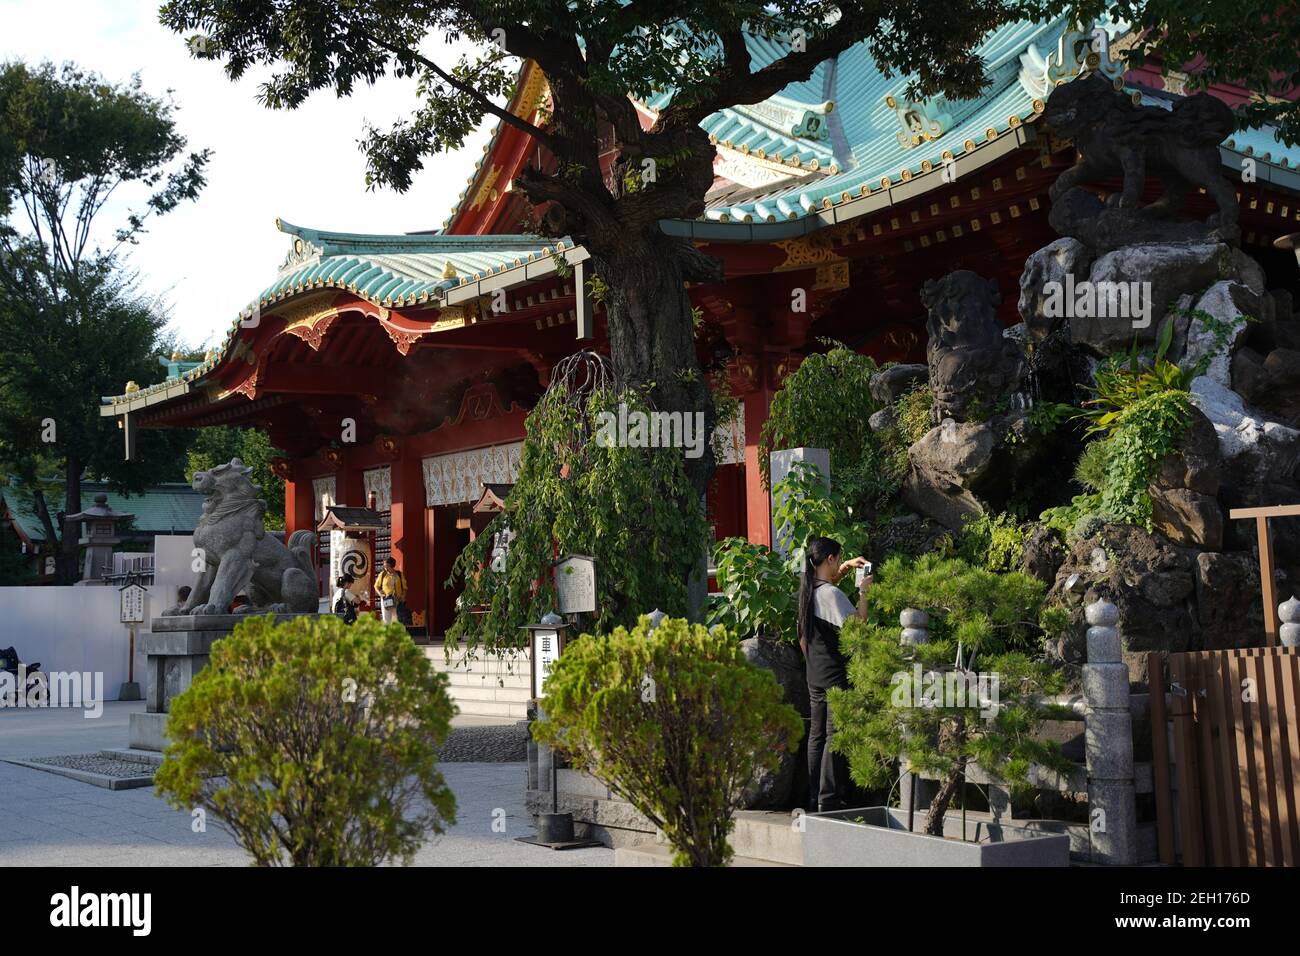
{"x": 915, "y": 631}
{"x": 1289, "y": 614}
{"x": 781, "y": 463}
{"x": 1112, "y": 810}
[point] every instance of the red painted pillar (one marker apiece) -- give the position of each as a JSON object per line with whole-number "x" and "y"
{"x": 408, "y": 526}
{"x": 758, "y": 509}
{"x": 299, "y": 501}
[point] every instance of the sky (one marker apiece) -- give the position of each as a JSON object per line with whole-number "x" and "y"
{"x": 207, "y": 259}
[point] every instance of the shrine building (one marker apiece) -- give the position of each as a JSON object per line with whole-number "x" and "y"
{"x": 379, "y": 366}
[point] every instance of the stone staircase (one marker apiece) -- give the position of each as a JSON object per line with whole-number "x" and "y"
{"x": 485, "y": 685}
{"x": 761, "y": 838}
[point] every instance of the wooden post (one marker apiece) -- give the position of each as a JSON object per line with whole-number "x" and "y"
{"x": 1265, "y": 536}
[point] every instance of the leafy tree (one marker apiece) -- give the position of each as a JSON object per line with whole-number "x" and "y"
{"x": 594, "y": 53}
{"x": 216, "y": 446}
{"x": 314, "y": 743}
{"x": 757, "y": 591}
{"x": 981, "y": 622}
{"x": 1209, "y": 35}
{"x": 674, "y": 720}
{"x": 573, "y": 495}
{"x": 73, "y": 327}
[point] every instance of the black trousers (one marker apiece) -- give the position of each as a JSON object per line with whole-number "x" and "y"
{"x": 828, "y": 772}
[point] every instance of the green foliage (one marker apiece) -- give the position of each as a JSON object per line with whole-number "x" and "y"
{"x": 758, "y": 591}
{"x": 314, "y": 743}
{"x": 804, "y": 509}
{"x": 1143, "y": 412}
{"x": 72, "y": 140}
{"x": 217, "y": 445}
{"x": 1121, "y": 382}
{"x": 1093, "y": 465}
{"x": 993, "y": 542}
{"x": 914, "y": 414}
{"x": 824, "y": 403}
{"x": 1211, "y": 34}
{"x": 610, "y": 504}
{"x": 913, "y": 419}
{"x": 73, "y": 325}
{"x": 675, "y": 721}
{"x": 1220, "y": 329}
{"x": 997, "y": 621}
{"x": 1142, "y": 435}
{"x": 1046, "y": 417}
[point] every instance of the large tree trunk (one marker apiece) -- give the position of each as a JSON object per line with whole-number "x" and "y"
{"x": 956, "y": 739}
{"x": 68, "y": 568}
{"x": 652, "y": 342}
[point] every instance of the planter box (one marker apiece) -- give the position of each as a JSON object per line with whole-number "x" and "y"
{"x": 833, "y": 839}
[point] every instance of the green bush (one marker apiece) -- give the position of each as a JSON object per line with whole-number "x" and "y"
{"x": 672, "y": 719}
{"x": 757, "y": 591}
{"x": 993, "y": 542}
{"x": 996, "y": 623}
{"x": 824, "y": 403}
{"x": 630, "y": 508}
{"x": 804, "y": 509}
{"x": 313, "y": 743}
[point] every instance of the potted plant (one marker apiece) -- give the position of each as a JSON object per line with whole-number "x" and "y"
{"x": 968, "y": 692}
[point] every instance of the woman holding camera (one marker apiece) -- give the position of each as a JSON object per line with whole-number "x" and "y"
{"x": 823, "y": 609}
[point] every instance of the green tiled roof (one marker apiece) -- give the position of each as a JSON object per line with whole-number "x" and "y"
{"x": 171, "y": 507}
{"x": 396, "y": 270}
{"x": 844, "y": 133}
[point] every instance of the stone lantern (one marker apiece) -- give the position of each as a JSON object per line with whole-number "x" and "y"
{"x": 99, "y": 538}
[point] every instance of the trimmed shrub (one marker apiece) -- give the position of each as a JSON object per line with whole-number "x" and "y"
{"x": 672, "y": 719}
{"x": 313, "y": 743}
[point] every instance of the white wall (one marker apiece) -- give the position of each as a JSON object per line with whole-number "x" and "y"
{"x": 172, "y": 560}
{"x": 72, "y": 629}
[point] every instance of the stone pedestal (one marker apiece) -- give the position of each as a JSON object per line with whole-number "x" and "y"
{"x": 175, "y": 651}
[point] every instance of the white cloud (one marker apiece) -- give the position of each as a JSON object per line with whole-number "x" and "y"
{"x": 209, "y": 258}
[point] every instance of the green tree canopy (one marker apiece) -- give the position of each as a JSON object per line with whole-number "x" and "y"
{"x": 73, "y": 325}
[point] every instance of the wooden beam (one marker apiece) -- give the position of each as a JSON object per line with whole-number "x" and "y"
{"x": 1264, "y": 537}
{"x": 1276, "y": 511}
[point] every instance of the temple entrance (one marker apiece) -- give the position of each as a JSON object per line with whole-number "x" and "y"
{"x": 447, "y": 535}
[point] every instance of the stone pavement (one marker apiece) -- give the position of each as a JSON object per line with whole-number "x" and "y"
{"x": 49, "y": 820}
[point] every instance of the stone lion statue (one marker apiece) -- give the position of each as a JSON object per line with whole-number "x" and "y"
{"x": 972, "y": 365}
{"x": 1114, "y": 137}
{"x": 240, "y": 557}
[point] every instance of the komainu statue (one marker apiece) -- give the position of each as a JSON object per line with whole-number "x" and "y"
{"x": 240, "y": 557}
{"x": 1115, "y": 137}
{"x": 973, "y": 367}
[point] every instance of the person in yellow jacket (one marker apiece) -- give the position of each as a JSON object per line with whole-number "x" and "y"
{"x": 390, "y": 585}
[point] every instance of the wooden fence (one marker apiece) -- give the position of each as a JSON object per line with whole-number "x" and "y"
{"x": 1226, "y": 757}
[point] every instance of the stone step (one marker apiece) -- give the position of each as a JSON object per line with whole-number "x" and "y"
{"x": 768, "y": 835}
{"x": 515, "y": 695}
{"x": 659, "y": 854}
{"x": 492, "y": 708}
{"x": 486, "y": 664}
{"x": 461, "y": 679}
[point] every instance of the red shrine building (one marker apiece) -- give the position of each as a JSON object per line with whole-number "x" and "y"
{"x": 402, "y": 366}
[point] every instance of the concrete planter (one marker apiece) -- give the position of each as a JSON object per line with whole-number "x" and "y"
{"x": 837, "y": 839}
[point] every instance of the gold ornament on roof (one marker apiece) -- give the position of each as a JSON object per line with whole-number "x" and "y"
{"x": 131, "y": 387}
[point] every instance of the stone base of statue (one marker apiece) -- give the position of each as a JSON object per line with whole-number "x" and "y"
{"x": 176, "y": 650}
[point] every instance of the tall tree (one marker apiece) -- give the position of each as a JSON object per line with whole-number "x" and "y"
{"x": 600, "y": 55}
{"x": 73, "y": 326}
{"x": 217, "y": 445}
{"x": 594, "y": 54}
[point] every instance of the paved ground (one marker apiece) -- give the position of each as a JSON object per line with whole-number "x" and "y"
{"x": 51, "y": 820}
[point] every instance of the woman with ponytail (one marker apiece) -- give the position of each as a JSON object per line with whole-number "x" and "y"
{"x": 823, "y": 608}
